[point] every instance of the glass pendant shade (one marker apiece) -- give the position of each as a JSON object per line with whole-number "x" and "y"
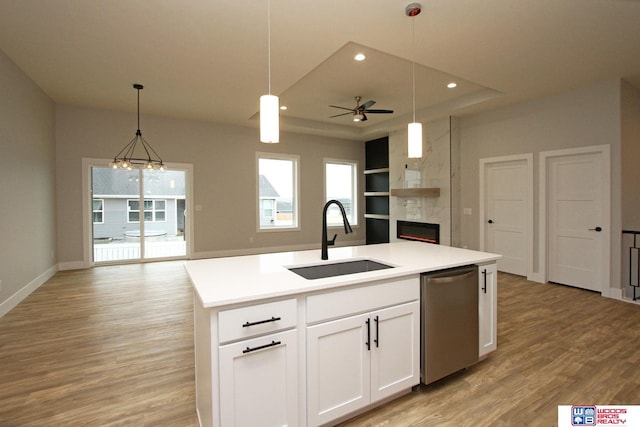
{"x": 269, "y": 119}
{"x": 415, "y": 140}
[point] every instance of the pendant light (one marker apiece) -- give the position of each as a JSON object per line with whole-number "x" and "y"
{"x": 414, "y": 130}
{"x": 138, "y": 153}
{"x": 269, "y": 108}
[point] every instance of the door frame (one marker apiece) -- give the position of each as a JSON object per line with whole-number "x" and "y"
{"x": 543, "y": 248}
{"x": 87, "y": 225}
{"x": 528, "y": 159}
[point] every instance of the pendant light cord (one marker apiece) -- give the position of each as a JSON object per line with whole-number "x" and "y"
{"x": 413, "y": 65}
{"x": 269, "y": 42}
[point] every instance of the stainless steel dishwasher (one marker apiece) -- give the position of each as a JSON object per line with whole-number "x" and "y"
{"x": 449, "y": 322}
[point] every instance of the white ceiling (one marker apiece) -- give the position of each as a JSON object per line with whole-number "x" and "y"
{"x": 207, "y": 60}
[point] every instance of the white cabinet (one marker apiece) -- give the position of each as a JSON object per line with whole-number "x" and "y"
{"x": 358, "y": 360}
{"x": 259, "y": 381}
{"x": 258, "y": 365}
{"x": 488, "y": 308}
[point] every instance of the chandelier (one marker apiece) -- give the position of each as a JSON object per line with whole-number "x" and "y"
{"x": 138, "y": 153}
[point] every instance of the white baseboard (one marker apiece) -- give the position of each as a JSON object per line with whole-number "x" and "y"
{"x": 18, "y": 297}
{"x": 73, "y": 265}
{"x": 615, "y": 293}
{"x": 536, "y": 277}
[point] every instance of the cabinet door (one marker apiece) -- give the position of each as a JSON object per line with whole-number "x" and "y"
{"x": 395, "y": 350}
{"x": 338, "y": 380}
{"x": 259, "y": 381}
{"x": 488, "y": 308}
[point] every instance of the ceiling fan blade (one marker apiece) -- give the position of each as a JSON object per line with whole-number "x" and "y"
{"x": 367, "y": 105}
{"x": 364, "y": 117}
{"x": 342, "y": 108}
{"x": 379, "y": 111}
{"x": 338, "y": 115}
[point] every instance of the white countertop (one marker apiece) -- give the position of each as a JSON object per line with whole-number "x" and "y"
{"x": 232, "y": 280}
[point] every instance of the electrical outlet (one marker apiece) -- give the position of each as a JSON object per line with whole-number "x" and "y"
{"x": 467, "y": 211}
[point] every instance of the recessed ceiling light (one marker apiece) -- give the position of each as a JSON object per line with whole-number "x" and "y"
{"x": 360, "y": 57}
{"x": 283, "y": 107}
{"x": 452, "y": 85}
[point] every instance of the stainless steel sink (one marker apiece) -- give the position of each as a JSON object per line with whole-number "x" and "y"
{"x": 321, "y": 271}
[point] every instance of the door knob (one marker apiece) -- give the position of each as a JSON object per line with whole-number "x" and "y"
{"x": 490, "y": 221}
{"x": 598, "y": 229}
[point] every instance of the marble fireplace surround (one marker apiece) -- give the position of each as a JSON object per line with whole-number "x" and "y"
{"x": 436, "y": 169}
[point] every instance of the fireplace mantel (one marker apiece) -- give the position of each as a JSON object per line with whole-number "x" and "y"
{"x": 416, "y": 192}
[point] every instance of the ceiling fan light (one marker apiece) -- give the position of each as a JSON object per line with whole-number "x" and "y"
{"x": 269, "y": 119}
{"x": 414, "y": 148}
{"x": 358, "y": 117}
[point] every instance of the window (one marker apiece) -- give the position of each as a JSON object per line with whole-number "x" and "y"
{"x": 98, "y": 211}
{"x": 277, "y": 191}
{"x": 341, "y": 184}
{"x": 154, "y": 210}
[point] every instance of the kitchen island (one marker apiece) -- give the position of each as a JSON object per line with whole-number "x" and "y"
{"x": 274, "y": 348}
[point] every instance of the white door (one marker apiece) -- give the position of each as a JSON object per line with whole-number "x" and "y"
{"x": 577, "y": 232}
{"x": 507, "y": 212}
{"x": 395, "y": 349}
{"x": 338, "y": 373}
{"x": 260, "y": 381}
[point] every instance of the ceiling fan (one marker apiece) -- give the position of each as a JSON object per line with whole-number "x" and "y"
{"x": 360, "y": 110}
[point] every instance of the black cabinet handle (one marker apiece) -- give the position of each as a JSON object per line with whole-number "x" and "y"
{"x": 260, "y": 322}
{"x": 368, "y": 343}
{"x": 377, "y": 340}
{"x": 598, "y": 229}
{"x": 490, "y": 221}
{"x": 484, "y": 287}
{"x": 250, "y": 349}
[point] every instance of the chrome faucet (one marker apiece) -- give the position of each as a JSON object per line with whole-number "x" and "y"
{"x": 347, "y": 227}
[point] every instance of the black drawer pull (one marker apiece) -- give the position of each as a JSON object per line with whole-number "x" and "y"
{"x": 260, "y": 347}
{"x": 377, "y": 340}
{"x": 260, "y": 322}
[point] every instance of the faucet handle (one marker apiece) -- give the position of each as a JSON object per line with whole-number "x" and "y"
{"x": 332, "y": 242}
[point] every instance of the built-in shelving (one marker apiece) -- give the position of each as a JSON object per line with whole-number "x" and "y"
{"x": 415, "y": 192}
{"x": 377, "y": 190}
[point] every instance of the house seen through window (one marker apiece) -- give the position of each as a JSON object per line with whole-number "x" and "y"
{"x": 277, "y": 191}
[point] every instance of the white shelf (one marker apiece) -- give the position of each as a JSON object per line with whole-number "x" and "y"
{"x": 381, "y": 170}
{"x": 376, "y": 193}
{"x": 376, "y": 216}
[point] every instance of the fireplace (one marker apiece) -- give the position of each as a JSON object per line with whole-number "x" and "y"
{"x": 419, "y": 231}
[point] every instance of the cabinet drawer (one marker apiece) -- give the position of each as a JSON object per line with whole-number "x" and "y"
{"x": 255, "y": 320}
{"x": 333, "y": 305}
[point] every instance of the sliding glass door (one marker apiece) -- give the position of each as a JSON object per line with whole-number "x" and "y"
{"x": 138, "y": 214}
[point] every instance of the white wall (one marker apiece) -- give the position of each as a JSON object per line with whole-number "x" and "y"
{"x": 630, "y": 157}
{"x": 27, "y": 186}
{"x": 583, "y": 117}
{"x": 223, "y": 158}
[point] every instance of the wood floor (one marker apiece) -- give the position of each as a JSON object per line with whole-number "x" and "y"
{"x": 113, "y": 346}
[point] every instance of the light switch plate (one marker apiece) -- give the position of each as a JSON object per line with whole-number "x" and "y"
{"x": 467, "y": 211}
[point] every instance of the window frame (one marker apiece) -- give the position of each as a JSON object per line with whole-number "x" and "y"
{"x": 295, "y": 202}
{"x": 353, "y": 220}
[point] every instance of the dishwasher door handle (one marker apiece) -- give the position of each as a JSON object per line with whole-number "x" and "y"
{"x": 454, "y": 277}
